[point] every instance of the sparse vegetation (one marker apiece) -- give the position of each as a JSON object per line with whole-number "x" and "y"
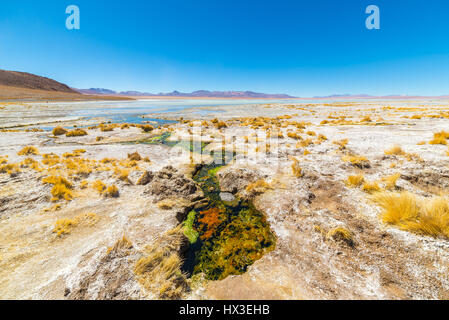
{"x": 396, "y": 151}
{"x": 341, "y": 234}
{"x": 76, "y": 133}
{"x": 355, "y": 180}
{"x": 408, "y": 212}
{"x": 258, "y": 187}
{"x": 134, "y": 156}
{"x": 371, "y": 187}
{"x": 440, "y": 138}
{"x": 59, "y": 131}
{"x": 112, "y": 192}
{"x": 29, "y": 150}
{"x": 297, "y": 170}
{"x": 357, "y": 161}
{"x": 390, "y": 181}
{"x": 159, "y": 271}
{"x": 62, "y": 188}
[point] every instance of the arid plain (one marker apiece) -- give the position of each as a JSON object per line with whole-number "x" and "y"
{"x": 292, "y": 200}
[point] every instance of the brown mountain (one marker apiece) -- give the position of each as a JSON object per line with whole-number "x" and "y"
{"x": 31, "y": 81}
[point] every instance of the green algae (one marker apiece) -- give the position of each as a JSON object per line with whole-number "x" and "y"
{"x": 225, "y": 238}
{"x": 189, "y": 230}
{"x": 241, "y": 234}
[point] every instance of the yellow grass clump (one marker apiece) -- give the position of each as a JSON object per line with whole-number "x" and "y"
{"x": 65, "y": 226}
{"x": 371, "y": 187}
{"x": 341, "y": 234}
{"x": 159, "y": 270}
{"x": 121, "y": 245}
{"x": 59, "y": 131}
{"x": 61, "y": 188}
{"x": 390, "y": 181}
{"x": 99, "y": 186}
{"x": 396, "y": 151}
{"x": 166, "y": 204}
{"x": 422, "y": 216}
{"x": 134, "y": 156}
{"x": 112, "y": 192}
{"x": 294, "y": 135}
{"x": 29, "y": 150}
{"x": 341, "y": 143}
{"x": 258, "y": 187}
{"x": 106, "y": 128}
{"x": 322, "y": 137}
{"x": 304, "y": 143}
{"x": 11, "y": 168}
{"x": 122, "y": 174}
{"x": 297, "y": 170}
{"x": 146, "y": 128}
{"x": 76, "y": 133}
{"x": 356, "y": 160}
{"x": 355, "y": 180}
{"x": 50, "y": 159}
{"x": 440, "y": 138}
{"x": 366, "y": 119}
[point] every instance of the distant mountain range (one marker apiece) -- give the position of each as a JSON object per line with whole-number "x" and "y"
{"x": 22, "y": 85}
{"x": 195, "y": 94}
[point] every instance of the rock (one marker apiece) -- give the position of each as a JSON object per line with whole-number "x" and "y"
{"x": 234, "y": 180}
{"x": 168, "y": 183}
{"x": 145, "y": 178}
{"x": 227, "y": 197}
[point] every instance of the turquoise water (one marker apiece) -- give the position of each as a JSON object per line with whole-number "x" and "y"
{"x": 132, "y": 111}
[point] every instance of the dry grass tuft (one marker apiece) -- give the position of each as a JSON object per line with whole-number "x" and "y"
{"x": 390, "y": 181}
{"x": 121, "y": 245}
{"x": 59, "y": 131}
{"x": 11, "y": 168}
{"x": 29, "y": 150}
{"x": 422, "y": 216}
{"x": 355, "y": 180}
{"x": 146, "y": 128}
{"x": 61, "y": 188}
{"x": 357, "y": 161}
{"x": 65, "y": 226}
{"x": 396, "y": 151}
{"x": 159, "y": 271}
{"x": 258, "y": 187}
{"x": 112, "y": 192}
{"x": 76, "y": 133}
{"x": 99, "y": 186}
{"x": 371, "y": 187}
{"x": 296, "y": 169}
{"x": 341, "y": 234}
{"x": 166, "y": 204}
{"x": 440, "y": 138}
{"x": 341, "y": 144}
{"x": 134, "y": 156}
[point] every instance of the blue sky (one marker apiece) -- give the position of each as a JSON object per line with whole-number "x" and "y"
{"x": 304, "y": 48}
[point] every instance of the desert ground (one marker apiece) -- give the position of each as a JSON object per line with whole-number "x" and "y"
{"x": 293, "y": 200}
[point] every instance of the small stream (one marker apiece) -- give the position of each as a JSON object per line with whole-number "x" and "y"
{"x": 226, "y": 236}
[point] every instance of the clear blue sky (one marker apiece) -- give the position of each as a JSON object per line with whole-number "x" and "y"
{"x": 303, "y": 48}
